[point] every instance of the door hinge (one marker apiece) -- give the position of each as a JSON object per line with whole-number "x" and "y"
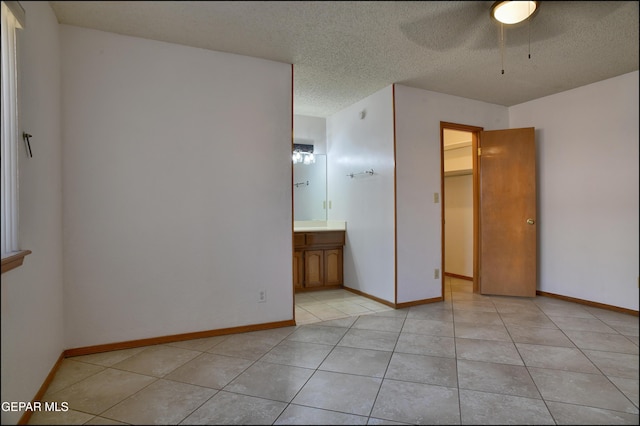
{"x": 479, "y": 151}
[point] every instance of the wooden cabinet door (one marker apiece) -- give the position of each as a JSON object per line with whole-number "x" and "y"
{"x": 298, "y": 269}
{"x": 333, "y": 267}
{"x": 314, "y": 268}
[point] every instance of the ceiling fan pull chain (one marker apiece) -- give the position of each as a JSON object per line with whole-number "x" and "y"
{"x": 502, "y": 46}
{"x": 529, "y": 28}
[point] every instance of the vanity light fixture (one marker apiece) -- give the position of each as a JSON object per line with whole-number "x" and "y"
{"x": 303, "y": 153}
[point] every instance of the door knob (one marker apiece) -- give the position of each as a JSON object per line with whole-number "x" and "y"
{"x": 531, "y": 221}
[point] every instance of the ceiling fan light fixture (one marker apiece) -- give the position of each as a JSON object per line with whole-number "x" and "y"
{"x": 511, "y": 12}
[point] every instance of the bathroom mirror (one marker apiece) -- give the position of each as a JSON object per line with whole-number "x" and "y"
{"x": 310, "y": 189}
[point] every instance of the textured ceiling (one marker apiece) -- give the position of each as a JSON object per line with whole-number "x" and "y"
{"x": 344, "y": 51}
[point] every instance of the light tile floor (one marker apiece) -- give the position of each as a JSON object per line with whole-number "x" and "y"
{"x": 471, "y": 359}
{"x": 316, "y": 306}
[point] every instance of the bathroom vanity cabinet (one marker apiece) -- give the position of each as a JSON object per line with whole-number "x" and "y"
{"x": 317, "y": 260}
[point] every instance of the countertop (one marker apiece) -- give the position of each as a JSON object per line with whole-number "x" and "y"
{"x": 319, "y": 225}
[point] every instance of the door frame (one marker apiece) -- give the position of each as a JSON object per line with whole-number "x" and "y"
{"x": 475, "y": 132}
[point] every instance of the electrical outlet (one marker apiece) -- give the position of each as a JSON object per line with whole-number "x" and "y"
{"x": 262, "y": 296}
{"x": 436, "y": 273}
{"x": 436, "y": 197}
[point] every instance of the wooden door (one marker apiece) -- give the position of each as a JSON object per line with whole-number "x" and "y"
{"x": 507, "y": 213}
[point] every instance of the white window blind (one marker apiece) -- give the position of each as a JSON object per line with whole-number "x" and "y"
{"x": 9, "y": 149}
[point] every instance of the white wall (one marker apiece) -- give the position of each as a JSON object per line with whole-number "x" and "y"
{"x": 458, "y": 213}
{"x": 32, "y": 306}
{"x": 418, "y": 116}
{"x": 311, "y": 128}
{"x": 366, "y": 201}
{"x": 177, "y": 188}
{"x": 587, "y": 142}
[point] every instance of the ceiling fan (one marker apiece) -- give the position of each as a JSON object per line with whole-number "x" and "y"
{"x": 508, "y": 12}
{"x": 472, "y": 24}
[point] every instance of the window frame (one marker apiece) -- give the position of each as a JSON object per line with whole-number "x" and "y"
{"x": 13, "y": 18}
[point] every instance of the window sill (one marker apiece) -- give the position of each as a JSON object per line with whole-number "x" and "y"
{"x": 15, "y": 260}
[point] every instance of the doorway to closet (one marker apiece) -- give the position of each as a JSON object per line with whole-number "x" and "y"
{"x": 459, "y": 201}
{"x": 457, "y": 205}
